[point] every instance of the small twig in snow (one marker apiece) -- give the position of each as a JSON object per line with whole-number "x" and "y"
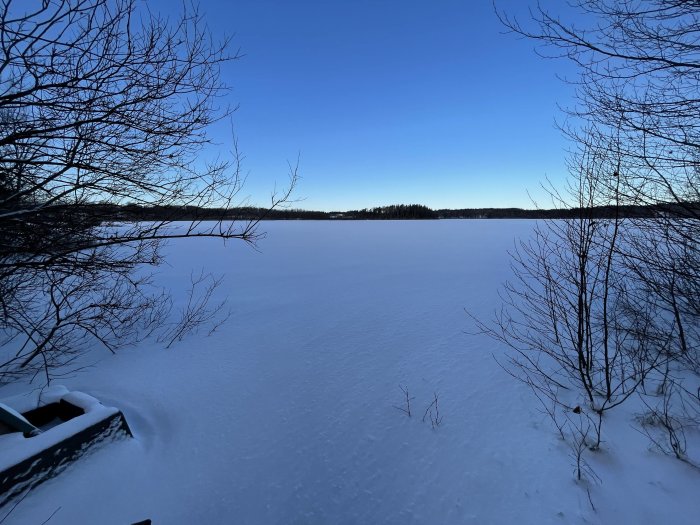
{"x": 406, "y": 410}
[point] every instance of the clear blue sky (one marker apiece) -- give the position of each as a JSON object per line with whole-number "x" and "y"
{"x": 390, "y": 102}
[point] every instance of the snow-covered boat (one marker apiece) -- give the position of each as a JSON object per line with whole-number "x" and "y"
{"x": 42, "y": 432}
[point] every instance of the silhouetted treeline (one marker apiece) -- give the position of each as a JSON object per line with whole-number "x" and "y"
{"x": 110, "y": 212}
{"x": 395, "y": 211}
{"x": 597, "y": 212}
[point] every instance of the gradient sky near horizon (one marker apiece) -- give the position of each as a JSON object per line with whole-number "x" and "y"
{"x": 389, "y": 102}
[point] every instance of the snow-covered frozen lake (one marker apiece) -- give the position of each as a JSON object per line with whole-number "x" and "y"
{"x": 286, "y": 414}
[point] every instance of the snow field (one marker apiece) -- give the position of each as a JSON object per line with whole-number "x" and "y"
{"x": 286, "y": 414}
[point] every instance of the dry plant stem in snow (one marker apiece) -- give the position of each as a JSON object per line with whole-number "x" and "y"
{"x": 432, "y": 412}
{"x": 406, "y": 409}
{"x": 670, "y": 412}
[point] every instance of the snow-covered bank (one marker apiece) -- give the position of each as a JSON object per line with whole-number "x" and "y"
{"x": 286, "y": 414}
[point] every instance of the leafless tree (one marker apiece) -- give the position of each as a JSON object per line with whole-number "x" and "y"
{"x": 637, "y": 91}
{"x": 103, "y": 104}
{"x": 577, "y": 338}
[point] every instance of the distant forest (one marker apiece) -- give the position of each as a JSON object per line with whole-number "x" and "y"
{"x": 393, "y": 212}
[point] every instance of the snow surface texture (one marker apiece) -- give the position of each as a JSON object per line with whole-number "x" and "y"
{"x": 286, "y": 414}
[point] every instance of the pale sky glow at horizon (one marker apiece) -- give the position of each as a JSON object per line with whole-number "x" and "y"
{"x": 390, "y": 102}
